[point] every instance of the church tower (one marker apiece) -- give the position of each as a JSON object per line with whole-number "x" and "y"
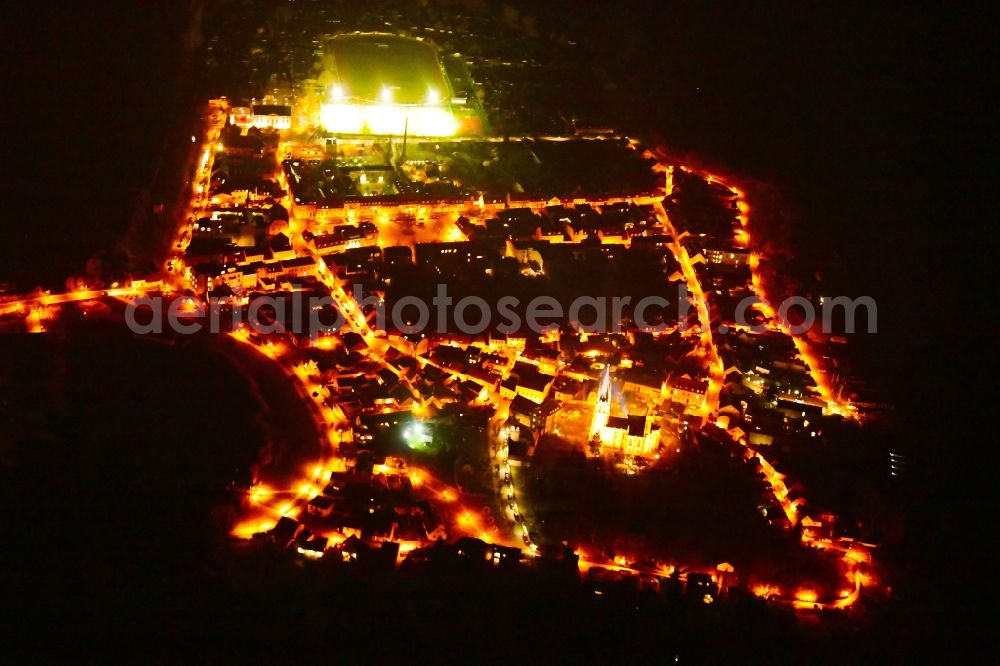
{"x": 602, "y": 410}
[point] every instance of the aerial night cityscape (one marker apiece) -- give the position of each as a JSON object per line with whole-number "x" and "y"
{"x": 482, "y": 330}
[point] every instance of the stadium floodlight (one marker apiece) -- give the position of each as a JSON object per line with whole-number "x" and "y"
{"x": 410, "y": 95}
{"x": 387, "y": 119}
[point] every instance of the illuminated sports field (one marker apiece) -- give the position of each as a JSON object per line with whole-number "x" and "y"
{"x": 384, "y": 84}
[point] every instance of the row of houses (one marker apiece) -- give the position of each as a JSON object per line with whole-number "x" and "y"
{"x": 268, "y": 275}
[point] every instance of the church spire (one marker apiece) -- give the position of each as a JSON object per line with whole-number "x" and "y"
{"x": 602, "y": 410}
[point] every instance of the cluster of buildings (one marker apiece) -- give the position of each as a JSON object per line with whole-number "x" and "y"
{"x": 264, "y": 270}
{"x": 769, "y": 394}
{"x": 368, "y": 507}
{"x": 556, "y": 222}
{"x": 540, "y": 375}
{"x": 345, "y": 250}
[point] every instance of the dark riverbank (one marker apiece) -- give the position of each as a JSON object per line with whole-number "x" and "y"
{"x": 117, "y": 455}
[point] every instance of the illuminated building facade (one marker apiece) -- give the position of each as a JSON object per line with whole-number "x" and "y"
{"x": 272, "y": 116}
{"x": 262, "y": 116}
{"x": 241, "y": 116}
{"x": 634, "y": 435}
{"x": 687, "y": 391}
